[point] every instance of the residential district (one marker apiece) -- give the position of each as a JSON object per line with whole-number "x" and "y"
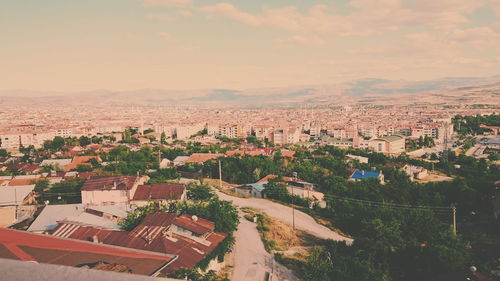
{"x": 345, "y": 193}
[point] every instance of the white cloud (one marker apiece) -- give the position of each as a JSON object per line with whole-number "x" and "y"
{"x": 185, "y": 13}
{"x": 303, "y": 40}
{"x": 165, "y": 35}
{"x": 368, "y": 17}
{"x": 495, "y": 6}
{"x": 475, "y": 34}
{"x": 161, "y": 17}
{"x": 175, "y": 3}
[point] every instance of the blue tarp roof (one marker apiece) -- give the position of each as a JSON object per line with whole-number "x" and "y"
{"x": 359, "y": 174}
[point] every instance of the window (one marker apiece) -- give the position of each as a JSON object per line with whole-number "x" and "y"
{"x": 379, "y": 147}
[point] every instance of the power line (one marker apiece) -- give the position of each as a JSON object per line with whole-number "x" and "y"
{"x": 385, "y": 204}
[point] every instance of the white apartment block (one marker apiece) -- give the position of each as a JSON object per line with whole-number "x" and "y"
{"x": 230, "y": 131}
{"x": 17, "y": 140}
{"x": 263, "y": 132}
{"x": 285, "y": 136}
{"x": 184, "y": 132}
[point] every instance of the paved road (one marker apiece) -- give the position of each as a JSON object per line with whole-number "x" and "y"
{"x": 251, "y": 261}
{"x": 472, "y": 150}
{"x": 284, "y": 213}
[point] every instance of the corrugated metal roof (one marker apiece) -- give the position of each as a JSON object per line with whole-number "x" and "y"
{"x": 152, "y": 235}
{"x": 54, "y": 250}
{"x": 199, "y": 226}
{"x": 358, "y": 174}
{"x": 51, "y": 214}
{"x": 14, "y": 195}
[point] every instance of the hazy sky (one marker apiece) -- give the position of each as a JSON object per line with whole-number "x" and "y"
{"x": 192, "y": 44}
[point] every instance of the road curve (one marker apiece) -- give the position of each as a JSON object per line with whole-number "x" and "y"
{"x": 302, "y": 220}
{"x": 251, "y": 261}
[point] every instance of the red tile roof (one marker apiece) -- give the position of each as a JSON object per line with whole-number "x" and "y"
{"x": 108, "y": 183}
{"x": 17, "y": 182}
{"x": 200, "y": 226}
{"x": 28, "y": 246}
{"x": 152, "y": 235}
{"x": 159, "y": 191}
{"x": 77, "y": 160}
{"x": 202, "y": 157}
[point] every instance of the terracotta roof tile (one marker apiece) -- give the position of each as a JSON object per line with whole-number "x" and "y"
{"x": 108, "y": 183}
{"x": 159, "y": 191}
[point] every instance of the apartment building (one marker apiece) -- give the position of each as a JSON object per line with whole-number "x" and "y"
{"x": 285, "y": 136}
{"x": 16, "y": 140}
{"x": 263, "y": 131}
{"x": 390, "y": 144}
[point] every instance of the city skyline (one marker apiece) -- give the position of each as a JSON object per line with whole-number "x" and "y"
{"x": 184, "y": 44}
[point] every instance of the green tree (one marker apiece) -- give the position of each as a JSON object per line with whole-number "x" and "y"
{"x": 199, "y": 191}
{"x": 83, "y": 140}
{"x": 85, "y": 167}
{"x": 163, "y": 138}
{"x": 319, "y": 266}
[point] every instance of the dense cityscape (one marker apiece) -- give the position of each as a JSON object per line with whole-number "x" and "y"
{"x": 319, "y": 140}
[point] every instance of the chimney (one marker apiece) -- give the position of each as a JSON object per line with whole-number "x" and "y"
{"x": 362, "y": 172}
{"x": 194, "y": 218}
{"x": 114, "y": 185}
{"x": 95, "y": 239}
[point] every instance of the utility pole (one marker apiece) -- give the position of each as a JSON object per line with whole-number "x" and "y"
{"x": 454, "y": 211}
{"x": 293, "y": 206}
{"x": 220, "y": 175}
{"x": 293, "y": 211}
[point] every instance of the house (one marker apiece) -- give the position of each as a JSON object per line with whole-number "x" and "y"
{"x": 299, "y": 188}
{"x": 77, "y": 160}
{"x": 7, "y": 216}
{"x": 110, "y": 190}
{"x": 231, "y": 153}
{"x": 287, "y": 153}
{"x": 202, "y": 157}
{"x": 251, "y": 190}
{"x": 99, "y": 271}
{"x": 390, "y": 144}
{"x": 50, "y": 214}
{"x": 23, "y": 180}
{"x": 188, "y": 237}
{"x": 17, "y": 195}
{"x": 415, "y": 172}
{"x": 159, "y": 193}
{"x": 165, "y": 163}
{"x": 101, "y": 216}
{"x": 144, "y": 140}
{"x": 358, "y": 175}
{"x": 179, "y": 160}
{"x": 360, "y": 159}
{"x": 56, "y": 163}
{"x": 47, "y": 249}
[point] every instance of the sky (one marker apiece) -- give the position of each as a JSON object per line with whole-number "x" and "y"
{"x": 76, "y": 45}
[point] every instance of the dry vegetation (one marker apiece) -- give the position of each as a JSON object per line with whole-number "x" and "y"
{"x": 279, "y": 237}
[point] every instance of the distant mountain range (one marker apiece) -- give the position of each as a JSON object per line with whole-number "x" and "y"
{"x": 363, "y": 89}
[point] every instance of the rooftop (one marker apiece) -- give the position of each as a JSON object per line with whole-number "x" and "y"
{"x": 159, "y": 191}
{"x": 25, "y": 246}
{"x": 153, "y": 235}
{"x": 109, "y": 183}
{"x": 360, "y": 174}
{"x": 29, "y": 271}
